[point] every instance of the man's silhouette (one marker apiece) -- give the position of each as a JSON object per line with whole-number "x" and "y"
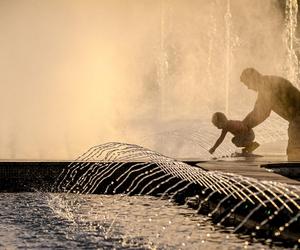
{"x": 279, "y": 95}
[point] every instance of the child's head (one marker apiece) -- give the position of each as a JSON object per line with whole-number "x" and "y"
{"x": 219, "y": 120}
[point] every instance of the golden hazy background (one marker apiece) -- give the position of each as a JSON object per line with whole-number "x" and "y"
{"x": 77, "y": 73}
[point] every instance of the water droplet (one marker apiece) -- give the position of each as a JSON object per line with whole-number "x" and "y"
{"x": 208, "y": 235}
{"x": 150, "y": 219}
{"x": 281, "y": 229}
{"x": 277, "y": 233}
{"x": 202, "y": 241}
{"x": 170, "y": 222}
{"x": 183, "y": 244}
{"x": 257, "y": 227}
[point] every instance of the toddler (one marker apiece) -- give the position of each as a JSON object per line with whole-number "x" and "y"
{"x": 243, "y": 136}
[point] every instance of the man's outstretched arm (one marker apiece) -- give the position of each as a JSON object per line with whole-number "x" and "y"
{"x": 261, "y": 112}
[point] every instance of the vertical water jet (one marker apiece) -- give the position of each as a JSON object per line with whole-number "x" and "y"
{"x": 228, "y": 49}
{"x": 163, "y": 60}
{"x": 291, "y": 68}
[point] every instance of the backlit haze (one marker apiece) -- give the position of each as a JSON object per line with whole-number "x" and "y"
{"x": 77, "y": 73}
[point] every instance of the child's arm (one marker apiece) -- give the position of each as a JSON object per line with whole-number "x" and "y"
{"x": 219, "y": 141}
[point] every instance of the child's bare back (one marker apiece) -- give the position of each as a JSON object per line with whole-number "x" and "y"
{"x": 243, "y": 136}
{"x": 236, "y": 127}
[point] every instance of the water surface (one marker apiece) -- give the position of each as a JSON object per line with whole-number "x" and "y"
{"x": 68, "y": 221}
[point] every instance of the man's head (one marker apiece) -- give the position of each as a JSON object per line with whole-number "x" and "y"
{"x": 219, "y": 120}
{"x": 251, "y": 78}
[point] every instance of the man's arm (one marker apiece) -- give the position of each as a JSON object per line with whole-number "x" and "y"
{"x": 261, "y": 112}
{"x": 219, "y": 141}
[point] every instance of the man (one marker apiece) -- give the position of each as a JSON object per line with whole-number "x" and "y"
{"x": 279, "y": 95}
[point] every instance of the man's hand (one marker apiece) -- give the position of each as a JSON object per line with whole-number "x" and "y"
{"x": 212, "y": 150}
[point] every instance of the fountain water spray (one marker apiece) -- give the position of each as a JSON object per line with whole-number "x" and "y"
{"x": 163, "y": 59}
{"x": 292, "y": 44}
{"x": 212, "y": 40}
{"x": 229, "y": 199}
{"x": 228, "y": 49}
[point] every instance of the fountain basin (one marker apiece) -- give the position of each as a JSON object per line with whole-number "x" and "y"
{"x": 230, "y": 200}
{"x": 288, "y": 169}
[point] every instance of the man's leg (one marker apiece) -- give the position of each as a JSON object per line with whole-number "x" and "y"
{"x": 293, "y": 149}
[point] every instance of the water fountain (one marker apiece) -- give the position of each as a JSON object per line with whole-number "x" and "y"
{"x": 261, "y": 208}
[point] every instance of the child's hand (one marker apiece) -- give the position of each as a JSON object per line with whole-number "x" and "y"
{"x": 212, "y": 150}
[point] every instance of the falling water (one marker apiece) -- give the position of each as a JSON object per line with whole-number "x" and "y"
{"x": 212, "y": 40}
{"x": 292, "y": 65}
{"x": 263, "y": 207}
